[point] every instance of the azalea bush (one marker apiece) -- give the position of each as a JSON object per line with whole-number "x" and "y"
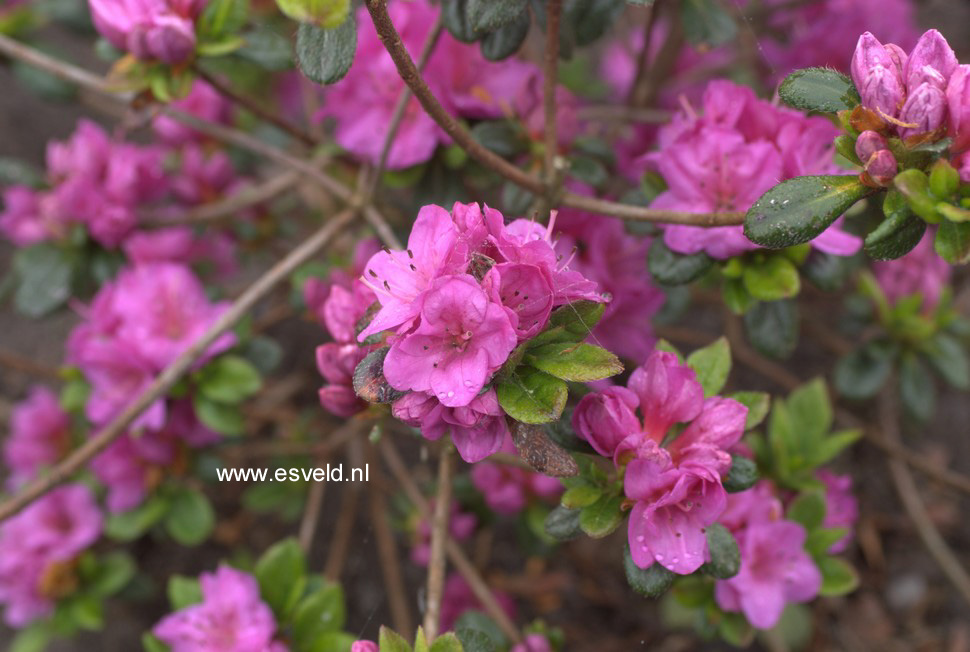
{"x": 619, "y": 290}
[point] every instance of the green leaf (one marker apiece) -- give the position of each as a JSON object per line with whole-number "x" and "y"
{"x": 369, "y": 381}
{"x": 916, "y": 388}
{"x": 819, "y": 89}
{"x": 898, "y": 233}
{"x": 775, "y": 278}
{"x": 221, "y": 417}
{"x": 478, "y": 632}
{"x": 808, "y": 509}
{"x": 447, "y": 642}
{"x": 819, "y": 541}
{"x": 914, "y": 185}
{"x": 489, "y": 15}
{"x": 561, "y": 433}
{"x": 575, "y": 362}
{"x": 670, "y": 268}
{"x": 330, "y": 642}
{"x": 581, "y": 496}
{"x": 476, "y": 641}
{"x": 829, "y": 272}
{"x": 838, "y": 576}
{"x": 455, "y": 18}
{"x": 706, "y": 23}
{"x": 949, "y": 358}
{"x": 953, "y": 242}
{"x": 532, "y": 396}
{"x": 862, "y": 373}
{"x": 319, "y": 613}
{"x": 328, "y": 14}
{"x": 325, "y": 55}
{"x": 826, "y": 450}
{"x": 772, "y": 327}
{"x": 503, "y": 137}
{"x": 114, "y": 571}
{"x": 129, "y": 525}
{"x": 391, "y": 641}
{"x": 281, "y": 575}
{"x": 758, "y": 404}
{"x": 151, "y": 644}
{"x": 86, "y": 611}
{"x": 650, "y": 582}
{"x": 585, "y": 21}
{"x": 570, "y": 323}
{"x": 725, "y": 554}
{"x": 183, "y": 591}
{"x": 268, "y": 49}
{"x": 32, "y": 639}
{"x": 506, "y": 40}
{"x": 743, "y": 474}
{"x": 229, "y": 379}
{"x": 712, "y": 364}
{"x": 190, "y": 519}
{"x": 45, "y": 274}
{"x": 811, "y": 409}
{"x": 798, "y": 210}
{"x": 602, "y": 517}
{"x": 562, "y": 524}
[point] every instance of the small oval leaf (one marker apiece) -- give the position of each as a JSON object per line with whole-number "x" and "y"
{"x": 819, "y": 89}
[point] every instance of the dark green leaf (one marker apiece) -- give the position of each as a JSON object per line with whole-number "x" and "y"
{"x": 506, "y": 40}
{"x": 15, "y": 172}
{"x": 706, "y": 23}
{"x": 864, "y": 371}
{"x": 325, "y": 55}
{"x": 268, "y": 49}
{"x": 477, "y": 632}
{"x": 191, "y": 518}
{"x": 670, "y": 268}
{"x": 602, "y": 517}
{"x": 585, "y": 21}
{"x": 949, "y": 358}
{"x": 562, "y": 524}
{"x": 898, "y": 233}
{"x": 953, "y": 242}
{"x": 916, "y": 388}
{"x": 827, "y": 271}
{"x": 743, "y": 474}
{"x": 712, "y": 364}
{"x": 772, "y": 327}
{"x": 455, "y": 17}
{"x": 819, "y": 89}
{"x": 561, "y": 432}
{"x": 650, "y": 582}
{"x": 575, "y": 362}
{"x": 129, "y": 525}
{"x": 221, "y": 417}
{"x": 797, "y": 210}
{"x": 808, "y": 509}
{"x": 281, "y": 575}
{"x": 725, "y": 555}
{"x": 319, "y": 613}
{"x": 489, "y": 15}
{"x": 113, "y": 572}
{"x": 532, "y": 396}
{"x": 229, "y": 379}
{"x": 503, "y": 137}
{"x": 369, "y": 381}
{"x": 45, "y": 274}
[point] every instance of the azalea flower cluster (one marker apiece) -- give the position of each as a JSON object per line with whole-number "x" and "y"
{"x": 231, "y": 616}
{"x": 467, "y": 84}
{"x": 919, "y": 97}
{"x": 463, "y": 294}
{"x": 39, "y": 550}
{"x": 156, "y": 30}
{"x": 726, "y": 156}
{"x": 135, "y": 327}
{"x": 677, "y": 486}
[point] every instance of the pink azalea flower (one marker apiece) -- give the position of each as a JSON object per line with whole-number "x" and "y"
{"x": 606, "y": 418}
{"x": 460, "y": 528}
{"x": 841, "y": 508}
{"x": 204, "y": 102}
{"x": 508, "y": 489}
{"x": 920, "y": 271}
{"x": 463, "y": 338}
{"x": 40, "y": 433}
{"x": 130, "y": 467}
{"x": 458, "y": 598}
{"x": 336, "y": 363}
{"x": 775, "y": 571}
{"x": 755, "y": 505}
{"x": 160, "y": 30}
{"x": 533, "y": 643}
{"x": 232, "y": 617}
{"x": 23, "y": 219}
{"x": 364, "y": 646}
{"x": 47, "y": 535}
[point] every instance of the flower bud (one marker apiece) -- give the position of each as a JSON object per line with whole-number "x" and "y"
{"x": 161, "y": 30}
{"x": 869, "y": 53}
{"x": 881, "y": 167}
{"x": 324, "y": 13}
{"x": 925, "y": 110}
{"x": 868, "y": 143}
{"x": 606, "y": 418}
{"x": 899, "y": 57}
{"x": 882, "y": 91}
{"x": 958, "y": 101}
{"x": 932, "y": 52}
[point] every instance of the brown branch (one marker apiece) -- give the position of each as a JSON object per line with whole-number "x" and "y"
{"x": 613, "y": 113}
{"x": 455, "y": 554}
{"x": 439, "y": 534}
{"x": 641, "y": 214}
{"x": 178, "y": 368}
{"x": 311, "y": 514}
{"x": 256, "y": 108}
{"x": 388, "y": 554}
{"x": 638, "y": 87}
{"x": 550, "y": 82}
{"x": 344, "y": 528}
{"x": 913, "y": 504}
{"x": 25, "y": 365}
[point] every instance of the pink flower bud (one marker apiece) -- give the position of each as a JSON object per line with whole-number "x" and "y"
{"x": 958, "y": 99}
{"x": 160, "y": 30}
{"x": 882, "y": 91}
{"x": 868, "y": 143}
{"x": 882, "y": 167}
{"x": 869, "y": 53}
{"x": 899, "y": 57}
{"x": 932, "y": 52}
{"x": 606, "y": 418}
{"x": 363, "y": 646}
{"x": 925, "y": 108}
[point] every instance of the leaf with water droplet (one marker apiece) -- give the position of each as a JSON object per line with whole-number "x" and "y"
{"x": 819, "y": 89}
{"x": 798, "y": 210}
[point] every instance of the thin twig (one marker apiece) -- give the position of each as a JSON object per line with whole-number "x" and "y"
{"x": 178, "y": 368}
{"x": 311, "y": 513}
{"x": 913, "y": 504}
{"x": 228, "y": 207}
{"x": 455, "y": 554}
{"x": 388, "y": 554}
{"x": 637, "y": 88}
{"x": 256, "y": 108}
{"x": 344, "y": 528}
{"x": 19, "y": 363}
{"x": 613, "y": 112}
{"x": 439, "y": 534}
{"x": 550, "y": 83}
